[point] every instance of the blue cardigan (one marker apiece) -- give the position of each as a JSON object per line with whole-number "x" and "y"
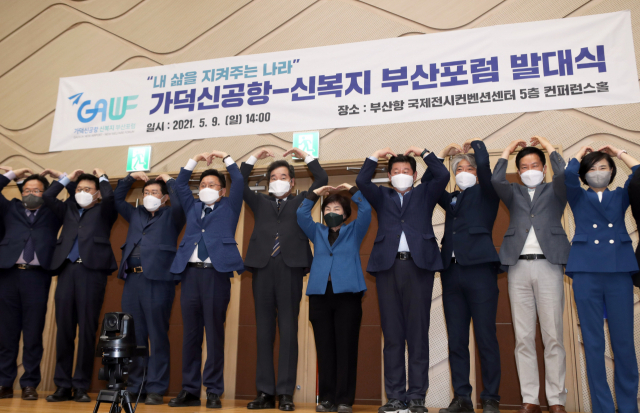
{"x": 601, "y": 242}
{"x": 340, "y": 260}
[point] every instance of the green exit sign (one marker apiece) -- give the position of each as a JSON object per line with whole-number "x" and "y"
{"x": 139, "y": 158}
{"x": 307, "y": 141}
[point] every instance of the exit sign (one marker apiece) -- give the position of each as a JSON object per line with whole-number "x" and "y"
{"x": 139, "y": 158}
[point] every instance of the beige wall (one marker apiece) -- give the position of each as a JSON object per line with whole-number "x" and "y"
{"x": 43, "y": 40}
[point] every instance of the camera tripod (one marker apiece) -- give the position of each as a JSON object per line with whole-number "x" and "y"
{"x": 119, "y": 400}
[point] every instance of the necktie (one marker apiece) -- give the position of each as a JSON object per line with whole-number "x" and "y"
{"x": 29, "y": 250}
{"x": 75, "y": 251}
{"x": 202, "y": 248}
{"x": 276, "y": 245}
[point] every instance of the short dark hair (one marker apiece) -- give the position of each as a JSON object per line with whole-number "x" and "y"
{"x": 593, "y": 158}
{"x": 528, "y": 151}
{"x": 279, "y": 164}
{"x": 342, "y": 200}
{"x": 401, "y": 159}
{"x": 37, "y": 177}
{"x": 163, "y": 185}
{"x": 214, "y": 172}
{"x": 89, "y": 177}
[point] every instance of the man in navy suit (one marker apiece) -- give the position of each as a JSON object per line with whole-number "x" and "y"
{"x": 469, "y": 277}
{"x": 404, "y": 259}
{"x": 25, "y": 277}
{"x": 83, "y": 258}
{"x": 150, "y": 287}
{"x": 207, "y": 257}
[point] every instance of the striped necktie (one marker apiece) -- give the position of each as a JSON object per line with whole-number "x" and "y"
{"x": 276, "y": 245}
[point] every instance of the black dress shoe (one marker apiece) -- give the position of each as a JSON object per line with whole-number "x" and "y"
{"x": 81, "y": 396}
{"x": 29, "y": 393}
{"x": 345, "y": 408}
{"x": 393, "y": 405}
{"x": 493, "y": 406}
{"x": 213, "y": 401}
{"x": 326, "y": 406}
{"x": 60, "y": 395}
{"x": 153, "y": 399}
{"x": 263, "y": 401}
{"x": 459, "y": 405}
{"x": 185, "y": 399}
{"x": 285, "y": 403}
{"x": 6, "y": 392}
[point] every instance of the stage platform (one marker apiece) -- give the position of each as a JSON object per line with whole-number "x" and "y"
{"x": 228, "y": 406}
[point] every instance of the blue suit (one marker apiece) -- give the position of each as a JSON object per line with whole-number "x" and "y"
{"x": 206, "y": 292}
{"x": 601, "y": 263}
{"x": 405, "y": 286}
{"x": 148, "y": 295}
{"x": 24, "y": 293}
{"x": 340, "y": 260}
{"x": 469, "y": 283}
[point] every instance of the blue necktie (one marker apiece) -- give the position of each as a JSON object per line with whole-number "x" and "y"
{"x": 202, "y": 248}
{"x": 75, "y": 252}
{"x": 276, "y": 245}
{"x": 29, "y": 250}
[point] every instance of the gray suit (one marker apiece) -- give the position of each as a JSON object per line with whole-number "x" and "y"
{"x": 536, "y": 284}
{"x": 544, "y": 213}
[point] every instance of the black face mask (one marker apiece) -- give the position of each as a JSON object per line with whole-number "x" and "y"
{"x": 333, "y": 220}
{"x": 32, "y": 202}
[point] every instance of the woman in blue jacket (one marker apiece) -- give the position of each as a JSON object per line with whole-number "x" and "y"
{"x": 335, "y": 289}
{"x": 601, "y": 263}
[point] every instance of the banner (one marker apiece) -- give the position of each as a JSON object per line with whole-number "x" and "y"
{"x": 545, "y": 65}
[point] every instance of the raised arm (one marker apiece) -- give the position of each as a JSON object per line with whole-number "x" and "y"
{"x": 108, "y": 204}
{"x": 450, "y": 150}
{"x": 305, "y": 221}
{"x": 237, "y": 182}
{"x": 250, "y": 196}
{"x": 371, "y": 191}
{"x": 364, "y": 210}
{"x": 177, "y": 213}
{"x": 185, "y": 196}
{"x": 483, "y": 167}
{"x": 572, "y": 176}
{"x": 50, "y": 195}
{"x": 4, "y": 181}
{"x": 441, "y": 177}
{"x": 320, "y": 177}
{"x": 499, "y": 177}
{"x": 557, "y": 165}
{"x": 120, "y": 194}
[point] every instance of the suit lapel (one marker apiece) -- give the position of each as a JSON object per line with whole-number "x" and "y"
{"x": 150, "y": 220}
{"x": 459, "y": 195}
{"x": 197, "y": 209}
{"x": 536, "y": 195}
{"x": 405, "y": 201}
{"x": 22, "y": 213}
{"x": 600, "y": 206}
{"x": 525, "y": 193}
{"x": 324, "y": 230}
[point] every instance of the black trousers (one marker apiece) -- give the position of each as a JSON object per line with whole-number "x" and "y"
{"x": 404, "y": 296}
{"x": 78, "y": 299}
{"x": 204, "y": 300}
{"x": 471, "y": 293}
{"x": 277, "y": 290}
{"x": 23, "y": 308}
{"x": 336, "y": 326}
{"x": 149, "y": 302}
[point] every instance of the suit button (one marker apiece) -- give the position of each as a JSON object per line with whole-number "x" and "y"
{"x": 203, "y": 230}
{"x": 195, "y": 243}
{"x": 610, "y": 225}
{"x": 454, "y": 218}
{"x": 331, "y": 255}
{"x": 532, "y": 215}
{"x": 398, "y": 236}
{"x": 527, "y": 230}
{"x": 402, "y": 221}
{"x": 144, "y": 233}
{"x": 596, "y": 242}
{"x": 595, "y": 225}
{"x": 278, "y": 221}
{"x": 454, "y": 233}
{"x": 610, "y": 241}
{"x": 79, "y": 226}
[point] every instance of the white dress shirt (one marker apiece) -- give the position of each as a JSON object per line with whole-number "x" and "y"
{"x": 531, "y": 244}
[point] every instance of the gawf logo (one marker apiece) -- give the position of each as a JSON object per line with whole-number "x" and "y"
{"x": 117, "y": 108}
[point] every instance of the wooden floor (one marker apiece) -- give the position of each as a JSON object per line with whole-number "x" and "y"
{"x": 229, "y": 406}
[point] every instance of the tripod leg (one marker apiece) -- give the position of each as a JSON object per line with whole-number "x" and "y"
{"x": 126, "y": 402}
{"x": 95, "y": 409}
{"x": 115, "y": 406}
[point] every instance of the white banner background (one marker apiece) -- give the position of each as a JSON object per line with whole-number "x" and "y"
{"x": 78, "y": 97}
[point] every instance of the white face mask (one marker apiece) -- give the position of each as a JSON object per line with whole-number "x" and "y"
{"x": 279, "y": 188}
{"x": 84, "y": 199}
{"x": 532, "y": 178}
{"x": 465, "y": 180}
{"x": 402, "y": 182}
{"x": 151, "y": 203}
{"x": 598, "y": 179}
{"x": 208, "y": 195}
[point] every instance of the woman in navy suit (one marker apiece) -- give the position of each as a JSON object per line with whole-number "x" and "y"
{"x": 601, "y": 263}
{"x": 335, "y": 289}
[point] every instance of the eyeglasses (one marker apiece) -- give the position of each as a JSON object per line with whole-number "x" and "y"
{"x": 85, "y": 189}
{"x": 34, "y": 192}
{"x": 214, "y": 186}
{"x": 154, "y": 193}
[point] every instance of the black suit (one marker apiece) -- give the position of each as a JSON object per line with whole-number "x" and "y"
{"x": 277, "y": 281}
{"x": 24, "y": 292}
{"x": 634, "y": 199}
{"x": 81, "y": 285}
{"x": 469, "y": 283}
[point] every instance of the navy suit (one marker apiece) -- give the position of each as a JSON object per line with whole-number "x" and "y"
{"x": 81, "y": 285}
{"x": 405, "y": 286}
{"x": 148, "y": 295}
{"x": 469, "y": 282}
{"x": 206, "y": 292}
{"x": 634, "y": 199}
{"x": 24, "y": 292}
{"x": 601, "y": 263}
